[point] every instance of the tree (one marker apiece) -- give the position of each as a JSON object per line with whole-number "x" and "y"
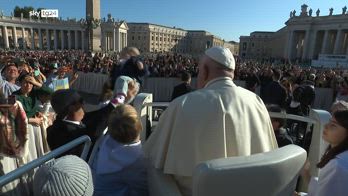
{"x": 25, "y": 10}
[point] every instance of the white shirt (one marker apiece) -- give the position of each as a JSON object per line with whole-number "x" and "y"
{"x": 333, "y": 178}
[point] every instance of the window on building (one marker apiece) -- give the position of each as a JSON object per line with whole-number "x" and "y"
{"x": 156, "y": 38}
{"x": 138, "y": 37}
{"x": 244, "y": 45}
{"x": 160, "y": 38}
{"x": 152, "y": 38}
{"x": 132, "y": 37}
{"x": 252, "y": 44}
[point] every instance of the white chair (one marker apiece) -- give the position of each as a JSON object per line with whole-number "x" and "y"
{"x": 269, "y": 174}
{"x": 144, "y": 112}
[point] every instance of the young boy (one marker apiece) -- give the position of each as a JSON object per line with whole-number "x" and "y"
{"x": 119, "y": 167}
{"x": 282, "y": 136}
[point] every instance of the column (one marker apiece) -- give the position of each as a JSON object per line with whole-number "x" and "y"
{"x": 76, "y": 40}
{"x": 48, "y": 39}
{"x": 312, "y": 44}
{"x": 338, "y": 42}
{"x": 83, "y": 40}
{"x": 40, "y": 39}
{"x": 120, "y": 40}
{"x": 55, "y": 39}
{"x": 306, "y": 45}
{"x": 23, "y": 39}
{"x": 114, "y": 40}
{"x": 63, "y": 39}
{"x": 69, "y": 39}
{"x": 15, "y": 40}
{"x": 325, "y": 40}
{"x": 5, "y": 37}
{"x": 103, "y": 40}
{"x": 125, "y": 40}
{"x": 118, "y": 48}
{"x": 106, "y": 41}
{"x": 32, "y": 39}
{"x": 290, "y": 44}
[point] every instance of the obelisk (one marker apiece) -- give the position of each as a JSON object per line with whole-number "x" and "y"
{"x": 94, "y": 34}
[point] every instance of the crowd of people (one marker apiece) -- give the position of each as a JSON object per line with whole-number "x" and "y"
{"x": 46, "y": 114}
{"x": 172, "y": 65}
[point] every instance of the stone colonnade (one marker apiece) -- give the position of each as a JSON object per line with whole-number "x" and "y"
{"x": 41, "y": 38}
{"x": 114, "y": 40}
{"x": 308, "y": 44}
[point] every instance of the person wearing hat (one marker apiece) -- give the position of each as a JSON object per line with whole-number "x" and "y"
{"x": 8, "y": 83}
{"x": 66, "y": 176}
{"x": 72, "y": 122}
{"x": 218, "y": 120}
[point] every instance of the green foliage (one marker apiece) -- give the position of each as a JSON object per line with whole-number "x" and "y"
{"x": 25, "y": 10}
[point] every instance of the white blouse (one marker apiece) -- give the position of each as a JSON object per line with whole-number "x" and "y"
{"x": 333, "y": 178}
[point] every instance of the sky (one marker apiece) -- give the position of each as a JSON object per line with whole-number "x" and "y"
{"x": 228, "y": 19}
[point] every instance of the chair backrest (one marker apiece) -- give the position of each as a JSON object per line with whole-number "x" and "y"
{"x": 269, "y": 174}
{"x": 145, "y": 113}
{"x": 318, "y": 145}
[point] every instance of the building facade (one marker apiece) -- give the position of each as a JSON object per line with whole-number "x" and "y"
{"x": 149, "y": 37}
{"x": 233, "y": 46}
{"x": 305, "y": 37}
{"x": 256, "y": 46}
{"x": 157, "y": 38}
{"x": 200, "y": 40}
{"x": 58, "y": 34}
{"x": 114, "y": 34}
{"x": 41, "y": 34}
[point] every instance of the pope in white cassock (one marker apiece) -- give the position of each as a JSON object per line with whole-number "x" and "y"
{"x": 218, "y": 120}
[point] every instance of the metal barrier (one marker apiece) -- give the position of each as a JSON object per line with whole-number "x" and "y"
{"x": 37, "y": 162}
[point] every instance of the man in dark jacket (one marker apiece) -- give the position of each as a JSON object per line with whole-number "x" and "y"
{"x": 274, "y": 92}
{"x": 280, "y": 132}
{"x": 72, "y": 122}
{"x": 184, "y": 87}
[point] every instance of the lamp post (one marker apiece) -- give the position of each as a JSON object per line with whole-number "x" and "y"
{"x": 89, "y": 24}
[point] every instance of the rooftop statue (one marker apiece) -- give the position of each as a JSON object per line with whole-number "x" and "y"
{"x": 318, "y": 12}
{"x": 294, "y": 13}
{"x": 310, "y": 12}
{"x": 331, "y": 11}
{"x": 304, "y": 10}
{"x": 291, "y": 14}
{"x": 344, "y": 9}
{"x": 109, "y": 18}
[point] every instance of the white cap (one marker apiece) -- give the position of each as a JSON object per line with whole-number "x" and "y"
{"x": 222, "y": 56}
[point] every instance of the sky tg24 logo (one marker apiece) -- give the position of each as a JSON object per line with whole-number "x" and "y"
{"x": 47, "y": 13}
